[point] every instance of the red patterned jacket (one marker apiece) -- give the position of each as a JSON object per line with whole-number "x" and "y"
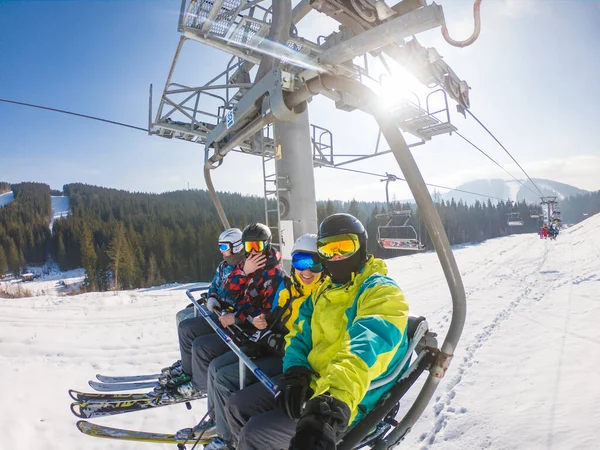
{"x": 254, "y": 294}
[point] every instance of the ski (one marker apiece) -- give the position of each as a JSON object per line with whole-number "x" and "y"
{"x": 88, "y": 410}
{"x": 127, "y": 379}
{"x": 111, "y": 387}
{"x": 99, "y": 408}
{"x": 107, "y": 397}
{"x": 181, "y": 437}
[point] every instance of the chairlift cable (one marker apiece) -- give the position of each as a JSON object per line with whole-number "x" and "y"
{"x": 74, "y": 114}
{"x": 85, "y": 116}
{"x": 504, "y": 148}
{"x": 402, "y": 179}
{"x": 494, "y": 161}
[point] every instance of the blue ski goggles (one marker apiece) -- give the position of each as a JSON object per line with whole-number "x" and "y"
{"x": 303, "y": 261}
{"x": 224, "y": 246}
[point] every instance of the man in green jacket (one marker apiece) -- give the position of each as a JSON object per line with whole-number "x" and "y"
{"x": 348, "y": 338}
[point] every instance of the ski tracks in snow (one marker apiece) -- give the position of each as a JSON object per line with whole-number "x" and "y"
{"x": 444, "y": 409}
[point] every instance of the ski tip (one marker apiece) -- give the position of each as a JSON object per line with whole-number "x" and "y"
{"x": 82, "y": 425}
{"x": 74, "y": 394}
{"x": 76, "y": 410}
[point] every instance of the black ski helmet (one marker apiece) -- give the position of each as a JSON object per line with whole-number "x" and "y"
{"x": 343, "y": 223}
{"x": 258, "y": 232}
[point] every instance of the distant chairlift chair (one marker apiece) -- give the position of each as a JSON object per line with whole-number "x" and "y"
{"x": 514, "y": 219}
{"x": 396, "y": 234}
{"x": 535, "y": 214}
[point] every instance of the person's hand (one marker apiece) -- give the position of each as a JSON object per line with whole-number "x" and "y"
{"x": 294, "y": 390}
{"x": 213, "y": 305}
{"x": 323, "y": 420}
{"x": 253, "y": 262}
{"x": 260, "y": 322}
{"x": 227, "y": 320}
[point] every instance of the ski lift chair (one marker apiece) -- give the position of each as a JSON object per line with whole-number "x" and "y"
{"x": 533, "y": 214}
{"x": 398, "y": 237}
{"x": 514, "y": 219}
{"x": 373, "y": 429}
{"x": 396, "y": 234}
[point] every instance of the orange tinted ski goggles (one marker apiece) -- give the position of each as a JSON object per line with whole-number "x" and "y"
{"x": 258, "y": 246}
{"x": 341, "y": 245}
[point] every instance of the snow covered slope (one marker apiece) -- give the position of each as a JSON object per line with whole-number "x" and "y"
{"x": 6, "y": 198}
{"x": 60, "y": 208}
{"x": 523, "y": 376}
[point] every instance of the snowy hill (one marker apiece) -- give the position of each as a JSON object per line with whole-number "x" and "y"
{"x": 6, "y": 198}
{"x": 511, "y": 189}
{"x": 522, "y": 377}
{"x": 60, "y": 208}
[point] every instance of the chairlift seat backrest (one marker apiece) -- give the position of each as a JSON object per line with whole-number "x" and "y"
{"x": 417, "y": 328}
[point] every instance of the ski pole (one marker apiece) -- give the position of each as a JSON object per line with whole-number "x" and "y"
{"x": 258, "y": 373}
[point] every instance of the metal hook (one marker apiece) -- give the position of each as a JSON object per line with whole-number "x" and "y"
{"x": 476, "y": 31}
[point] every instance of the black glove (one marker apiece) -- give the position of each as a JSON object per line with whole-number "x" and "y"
{"x": 275, "y": 343}
{"x": 294, "y": 390}
{"x": 324, "y": 420}
{"x": 253, "y": 350}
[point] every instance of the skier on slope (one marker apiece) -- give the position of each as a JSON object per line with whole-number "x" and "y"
{"x": 350, "y": 332}
{"x": 553, "y": 231}
{"x": 190, "y": 327}
{"x": 253, "y": 286}
{"x": 223, "y": 373}
{"x": 545, "y": 231}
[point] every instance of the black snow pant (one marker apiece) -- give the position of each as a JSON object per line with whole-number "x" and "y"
{"x": 253, "y": 419}
{"x": 189, "y": 330}
{"x": 204, "y": 350}
{"x": 224, "y": 380}
{"x": 184, "y": 314}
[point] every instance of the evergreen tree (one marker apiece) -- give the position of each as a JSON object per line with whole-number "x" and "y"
{"x": 88, "y": 258}
{"x": 3, "y": 262}
{"x": 330, "y": 208}
{"x": 13, "y": 259}
{"x": 22, "y": 262}
{"x": 152, "y": 274}
{"x": 61, "y": 257}
{"x": 353, "y": 209}
{"x": 116, "y": 250}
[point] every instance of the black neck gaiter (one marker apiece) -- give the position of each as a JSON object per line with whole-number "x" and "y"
{"x": 341, "y": 271}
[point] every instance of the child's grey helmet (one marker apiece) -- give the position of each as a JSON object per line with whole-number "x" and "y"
{"x": 234, "y": 237}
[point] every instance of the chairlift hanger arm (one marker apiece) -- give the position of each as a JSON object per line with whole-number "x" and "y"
{"x": 476, "y": 30}
{"x": 368, "y": 102}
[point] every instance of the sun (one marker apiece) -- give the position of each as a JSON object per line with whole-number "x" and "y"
{"x": 400, "y": 87}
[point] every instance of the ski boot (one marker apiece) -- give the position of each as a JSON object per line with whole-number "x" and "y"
{"x": 175, "y": 368}
{"x": 180, "y": 393}
{"x": 171, "y": 373}
{"x": 206, "y": 429}
{"x": 218, "y": 444}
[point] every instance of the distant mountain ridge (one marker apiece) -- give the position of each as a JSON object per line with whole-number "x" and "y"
{"x": 511, "y": 189}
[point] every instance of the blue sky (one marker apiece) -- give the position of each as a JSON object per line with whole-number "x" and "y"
{"x": 534, "y": 75}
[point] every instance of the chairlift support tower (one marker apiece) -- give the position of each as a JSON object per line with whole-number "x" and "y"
{"x": 231, "y": 113}
{"x": 552, "y": 211}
